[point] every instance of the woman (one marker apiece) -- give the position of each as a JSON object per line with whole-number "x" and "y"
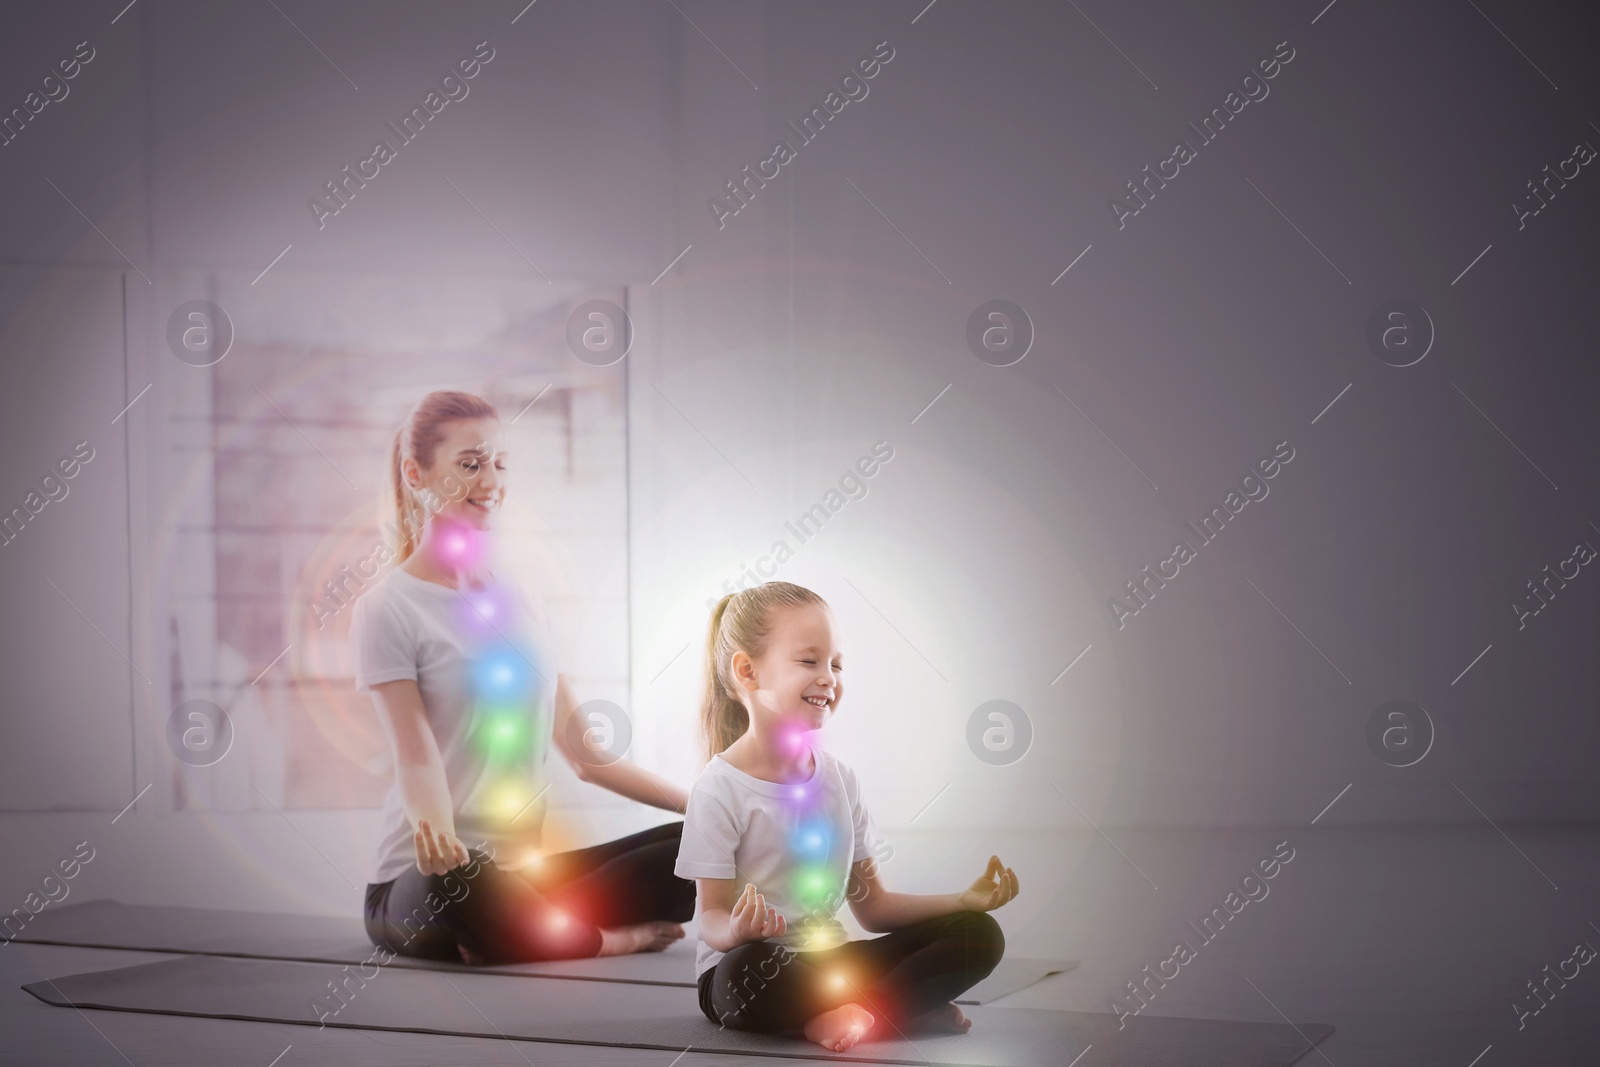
{"x": 458, "y": 662}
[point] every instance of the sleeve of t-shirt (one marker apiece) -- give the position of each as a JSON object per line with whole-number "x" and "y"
{"x": 710, "y": 836}
{"x": 867, "y": 838}
{"x": 385, "y": 649}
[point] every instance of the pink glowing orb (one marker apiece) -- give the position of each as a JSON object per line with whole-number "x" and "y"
{"x": 456, "y": 545}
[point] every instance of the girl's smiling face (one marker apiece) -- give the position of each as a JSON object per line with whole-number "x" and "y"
{"x": 798, "y": 681}
{"x": 468, "y": 472}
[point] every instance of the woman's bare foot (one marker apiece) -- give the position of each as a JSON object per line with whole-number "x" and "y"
{"x": 840, "y": 1028}
{"x": 643, "y": 937}
{"x": 470, "y": 958}
{"x": 948, "y": 1018}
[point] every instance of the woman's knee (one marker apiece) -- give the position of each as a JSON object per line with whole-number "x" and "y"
{"x": 983, "y": 935}
{"x": 427, "y": 931}
{"x": 456, "y": 884}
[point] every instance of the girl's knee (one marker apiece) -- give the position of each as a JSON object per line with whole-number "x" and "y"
{"x": 728, "y": 1004}
{"x": 743, "y": 979}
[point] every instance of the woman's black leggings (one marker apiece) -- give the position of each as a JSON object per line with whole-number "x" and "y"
{"x": 763, "y": 986}
{"x": 552, "y": 911}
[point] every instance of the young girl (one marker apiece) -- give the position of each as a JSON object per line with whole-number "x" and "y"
{"x": 776, "y": 837}
{"x": 460, "y": 665}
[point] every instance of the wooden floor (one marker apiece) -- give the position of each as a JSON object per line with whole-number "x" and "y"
{"x": 1415, "y": 943}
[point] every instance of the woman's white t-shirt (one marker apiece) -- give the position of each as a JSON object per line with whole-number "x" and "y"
{"x": 795, "y": 842}
{"x": 405, "y": 627}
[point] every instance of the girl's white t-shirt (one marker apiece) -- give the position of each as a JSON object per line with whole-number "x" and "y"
{"x": 796, "y": 842}
{"x": 405, "y": 627}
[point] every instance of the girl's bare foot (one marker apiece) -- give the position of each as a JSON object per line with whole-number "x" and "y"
{"x": 946, "y": 1017}
{"x": 643, "y": 937}
{"x": 840, "y": 1028}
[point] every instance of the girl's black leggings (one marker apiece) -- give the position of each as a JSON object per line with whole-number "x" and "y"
{"x": 552, "y": 911}
{"x": 763, "y": 986}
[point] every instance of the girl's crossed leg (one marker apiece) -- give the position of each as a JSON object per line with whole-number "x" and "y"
{"x": 906, "y": 978}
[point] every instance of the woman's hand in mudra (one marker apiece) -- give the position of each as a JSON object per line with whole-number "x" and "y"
{"x": 438, "y": 851}
{"x": 996, "y": 886}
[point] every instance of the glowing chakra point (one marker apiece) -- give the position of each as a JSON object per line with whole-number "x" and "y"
{"x": 509, "y": 799}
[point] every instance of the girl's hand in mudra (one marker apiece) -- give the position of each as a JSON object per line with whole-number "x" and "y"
{"x": 438, "y": 851}
{"x": 752, "y": 920}
{"x": 997, "y": 885}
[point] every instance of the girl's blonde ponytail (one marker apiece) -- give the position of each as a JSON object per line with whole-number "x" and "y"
{"x": 722, "y": 717}
{"x": 740, "y": 621}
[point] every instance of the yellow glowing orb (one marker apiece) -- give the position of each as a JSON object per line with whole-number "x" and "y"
{"x": 821, "y": 939}
{"x": 508, "y": 799}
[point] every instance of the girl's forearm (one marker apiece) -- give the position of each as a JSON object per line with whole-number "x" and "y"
{"x": 891, "y": 911}
{"x": 628, "y": 779}
{"x": 714, "y": 929}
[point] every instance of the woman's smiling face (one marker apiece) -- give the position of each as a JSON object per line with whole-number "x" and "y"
{"x": 468, "y": 472}
{"x": 799, "y": 678}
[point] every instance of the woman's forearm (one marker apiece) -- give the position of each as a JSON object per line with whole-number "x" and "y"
{"x": 628, "y": 779}
{"x": 620, "y": 776}
{"x": 418, "y": 766}
{"x": 425, "y": 793}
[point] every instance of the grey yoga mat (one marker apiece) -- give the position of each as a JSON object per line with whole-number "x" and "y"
{"x": 319, "y": 939}
{"x": 657, "y": 1017}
